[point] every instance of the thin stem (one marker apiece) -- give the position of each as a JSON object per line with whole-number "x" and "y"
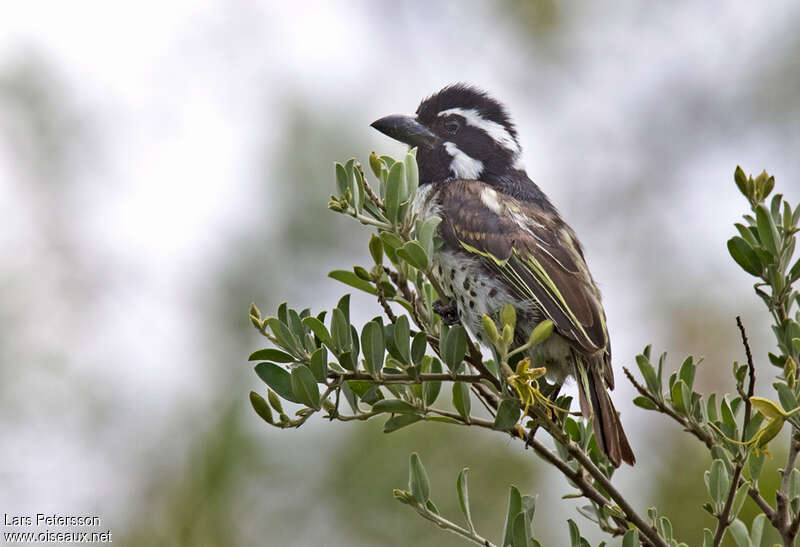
{"x": 689, "y": 426}
{"x": 368, "y": 189}
{"x": 405, "y": 378}
{"x": 451, "y": 526}
{"x": 724, "y": 519}
{"x": 650, "y": 533}
{"x": 782, "y": 501}
{"x": 368, "y": 221}
{"x": 384, "y": 304}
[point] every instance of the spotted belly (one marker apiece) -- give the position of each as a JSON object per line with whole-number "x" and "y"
{"x": 475, "y": 290}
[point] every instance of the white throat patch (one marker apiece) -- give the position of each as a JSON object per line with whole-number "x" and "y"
{"x": 463, "y": 166}
{"x": 496, "y": 131}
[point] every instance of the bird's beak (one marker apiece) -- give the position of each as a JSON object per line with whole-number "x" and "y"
{"x": 405, "y": 129}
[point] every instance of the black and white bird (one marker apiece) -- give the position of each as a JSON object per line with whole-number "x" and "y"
{"x": 504, "y": 242}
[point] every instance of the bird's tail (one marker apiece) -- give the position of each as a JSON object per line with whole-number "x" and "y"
{"x": 596, "y": 405}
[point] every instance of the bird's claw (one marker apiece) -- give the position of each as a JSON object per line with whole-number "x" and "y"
{"x": 447, "y": 311}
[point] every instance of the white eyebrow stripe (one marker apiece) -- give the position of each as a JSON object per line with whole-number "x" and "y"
{"x": 463, "y": 166}
{"x": 499, "y": 133}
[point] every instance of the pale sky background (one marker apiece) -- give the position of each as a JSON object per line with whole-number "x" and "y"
{"x": 176, "y": 117}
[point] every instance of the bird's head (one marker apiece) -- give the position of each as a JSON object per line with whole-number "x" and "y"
{"x": 459, "y": 132}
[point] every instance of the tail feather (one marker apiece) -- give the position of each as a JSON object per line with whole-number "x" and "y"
{"x": 597, "y": 405}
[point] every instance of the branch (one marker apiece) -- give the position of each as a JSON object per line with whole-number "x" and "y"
{"x": 689, "y": 426}
{"x": 405, "y": 378}
{"x": 588, "y": 490}
{"x": 782, "y": 501}
{"x": 384, "y": 304}
{"x": 724, "y": 518}
{"x": 451, "y": 526}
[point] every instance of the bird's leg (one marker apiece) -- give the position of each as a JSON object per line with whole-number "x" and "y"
{"x": 448, "y": 311}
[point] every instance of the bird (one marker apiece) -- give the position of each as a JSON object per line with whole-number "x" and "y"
{"x": 503, "y": 242}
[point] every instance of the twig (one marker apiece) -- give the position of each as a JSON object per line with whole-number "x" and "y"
{"x": 650, "y": 533}
{"x": 782, "y": 501}
{"x": 384, "y": 304}
{"x": 724, "y": 518}
{"x": 451, "y": 526}
{"x": 691, "y": 427}
{"x": 368, "y": 189}
{"x": 405, "y": 378}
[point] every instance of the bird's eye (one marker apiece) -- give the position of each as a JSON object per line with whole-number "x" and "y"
{"x": 452, "y": 126}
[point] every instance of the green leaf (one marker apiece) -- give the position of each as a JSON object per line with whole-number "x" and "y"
{"x": 711, "y": 408}
{"x": 341, "y": 179}
{"x": 767, "y": 231}
{"x": 360, "y": 183}
{"x": 376, "y": 165}
{"x": 757, "y": 529}
{"x": 514, "y": 508}
{"x": 738, "y": 530}
{"x": 738, "y": 499}
{"x": 319, "y": 364}
{"x": 340, "y": 331}
{"x": 351, "y": 397}
{"x": 630, "y": 539}
{"x": 463, "y": 497}
{"x": 786, "y": 396}
{"x": 395, "y": 191}
{"x": 574, "y": 534}
{"x": 755, "y": 463}
{"x": 718, "y": 482}
{"x": 412, "y": 175}
{"x": 645, "y": 403}
{"x": 274, "y": 401}
{"x": 402, "y": 339}
{"x": 745, "y": 256}
{"x": 430, "y": 390}
{"x": 794, "y": 273}
{"x": 413, "y": 253}
{"x": 304, "y": 387}
{"x": 518, "y": 536}
{"x": 261, "y": 407}
{"x": 687, "y": 371}
{"x": 318, "y": 328}
{"x": 271, "y": 354}
{"x": 455, "y": 348}
{"x": 395, "y": 406}
{"x": 461, "y": 399}
{"x": 507, "y": 414}
{"x": 372, "y": 346}
{"x": 418, "y": 347}
{"x": 278, "y": 379}
{"x": 351, "y": 279}
{"x": 648, "y": 373}
{"x": 376, "y": 249}
{"x": 665, "y": 528}
{"x": 741, "y": 181}
{"x": 418, "y": 479}
{"x": 344, "y": 305}
{"x": 425, "y": 232}
{"x": 678, "y": 399}
{"x": 282, "y": 333}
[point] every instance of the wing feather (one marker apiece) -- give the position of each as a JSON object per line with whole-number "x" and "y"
{"x": 533, "y": 250}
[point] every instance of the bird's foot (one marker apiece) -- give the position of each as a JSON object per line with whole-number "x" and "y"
{"x": 447, "y": 311}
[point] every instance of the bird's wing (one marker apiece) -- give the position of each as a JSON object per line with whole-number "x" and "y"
{"x": 536, "y": 253}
